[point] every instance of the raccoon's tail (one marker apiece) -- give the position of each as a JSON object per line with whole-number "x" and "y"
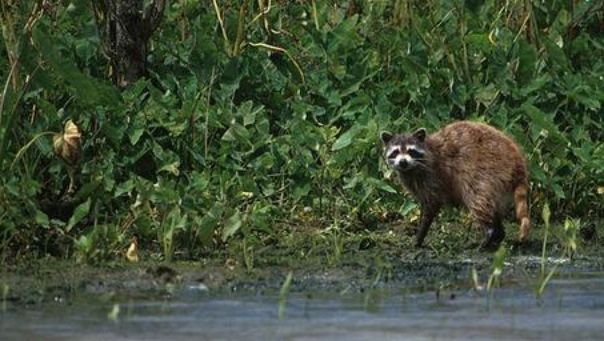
{"x": 520, "y": 199}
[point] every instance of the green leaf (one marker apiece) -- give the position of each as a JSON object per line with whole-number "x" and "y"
{"x": 80, "y": 212}
{"x": 124, "y": 187}
{"x": 176, "y": 220}
{"x": 546, "y": 214}
{"x": 345, "y": 139}
{"x": 498, "y": 261}
{"x": 381, "y": 184}
{"x": 88, "y": 189}
{"x": 284, "y": 293}
{"x": 232, "y": 225}
{"x": 343, "y": 36}
{"x": 536, "y": 84}
{"x": 556, "y": 55}
{"x": 236, "y": 132}
{"x": 542, "y": 120}
{"x": 249, "y": 112}
{"x": 409, "y": 206}
{"x": 208, "y": 223}
{"x": 136, "y": 130}
{"x": 84, "y": 88}
{"x": 42, "y": 219}
{"x": 486, "y": 94}
{"x": 558, "y": 191}
{"x": 588, "y": 101}
{"x": 527, "y": 60}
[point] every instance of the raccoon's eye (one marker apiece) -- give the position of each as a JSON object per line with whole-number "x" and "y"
{"x": 392, "y": 154}
{"x": 415, "y": 153}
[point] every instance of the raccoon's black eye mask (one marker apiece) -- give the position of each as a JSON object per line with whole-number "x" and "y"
{"x": 416, "y": 154}
{"x": 394, "y": 153}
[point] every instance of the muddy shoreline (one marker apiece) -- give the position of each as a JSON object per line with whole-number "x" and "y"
{"x": 319, "y": 261}
{"x": 57, "y": 281}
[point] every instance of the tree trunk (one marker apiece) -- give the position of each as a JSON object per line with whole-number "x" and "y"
{"x": 129, "y": 43}
{"x": 126, "y": 27}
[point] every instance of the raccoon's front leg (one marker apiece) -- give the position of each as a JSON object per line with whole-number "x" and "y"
{"x": 429, "y": 211}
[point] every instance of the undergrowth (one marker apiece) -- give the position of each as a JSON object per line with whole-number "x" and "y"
{"x": 254, "y": 121}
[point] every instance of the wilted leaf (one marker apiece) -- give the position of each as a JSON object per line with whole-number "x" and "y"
{"x": 67, "y": 144}
{"x": 132, "y": 253}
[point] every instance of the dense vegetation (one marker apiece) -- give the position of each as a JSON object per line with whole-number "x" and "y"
{"x": 256, "y": 116}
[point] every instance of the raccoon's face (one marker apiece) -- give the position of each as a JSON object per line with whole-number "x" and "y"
{"x": 405, "y": 152}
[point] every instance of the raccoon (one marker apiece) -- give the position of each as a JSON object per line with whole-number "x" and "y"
{"x": 466, "y": 164}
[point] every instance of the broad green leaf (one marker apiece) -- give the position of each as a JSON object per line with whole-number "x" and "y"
{"x": 84, "y": 87}
{"x": 176, "y": 220}
{"x": 236, "y": 132}
{"x": 42, "y": 219}
{"x": 88, "y": 189}
{"x": 542, "y": 120}
{"x": 136, "y": 130}
{"x": 588, "y": 101}
{"x": 124, "y": 187}
{"x": 343, "y": 36}
{"x": 559, "y": 191}
{"x": 208, "y": 223}
{"x": 381, "y": 184}
{"x": 249, "y": 112}
{"x": 527, "y": 60}
{"x": 409, "y": 206}
{"x": 232, "y": 225}
{"x": 486, "y": 94}
{"x": 78, "y": 214}
{"x": 346, "y": 139}
{"x": 536, "y": 84}
{"x": 557, "y": 58}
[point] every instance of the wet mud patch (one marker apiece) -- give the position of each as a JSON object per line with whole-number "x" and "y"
{"x": 327, "y": 261}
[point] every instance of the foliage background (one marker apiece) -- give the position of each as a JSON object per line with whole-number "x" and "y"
{"x": 269, "y": 119}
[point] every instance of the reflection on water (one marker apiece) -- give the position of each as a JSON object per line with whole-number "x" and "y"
{"x": 572, "y": 309}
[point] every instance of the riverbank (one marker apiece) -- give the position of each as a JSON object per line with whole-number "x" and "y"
{"x": 319, "y": 260}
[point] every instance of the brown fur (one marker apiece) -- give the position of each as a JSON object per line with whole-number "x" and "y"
{"x": 472, "y": 165}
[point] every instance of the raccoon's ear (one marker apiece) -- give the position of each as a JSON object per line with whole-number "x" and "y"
{"x": 386, "y": 137}
{"x": 420, "y": 134}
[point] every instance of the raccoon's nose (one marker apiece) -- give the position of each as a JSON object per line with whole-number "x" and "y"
{"x": 403, "y": 163}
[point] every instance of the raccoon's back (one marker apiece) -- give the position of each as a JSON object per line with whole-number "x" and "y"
{"x": 477, "y": 159}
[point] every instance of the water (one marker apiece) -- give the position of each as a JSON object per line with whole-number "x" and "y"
{"x": 571, "y": 309}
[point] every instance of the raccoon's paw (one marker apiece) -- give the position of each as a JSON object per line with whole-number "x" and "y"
{"x": 493, "y": 240}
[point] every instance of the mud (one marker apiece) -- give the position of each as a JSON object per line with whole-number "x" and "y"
{"x": 44, "y": 281}
{"x": 415, "y": 301}
{"x": 337, "y": 281}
